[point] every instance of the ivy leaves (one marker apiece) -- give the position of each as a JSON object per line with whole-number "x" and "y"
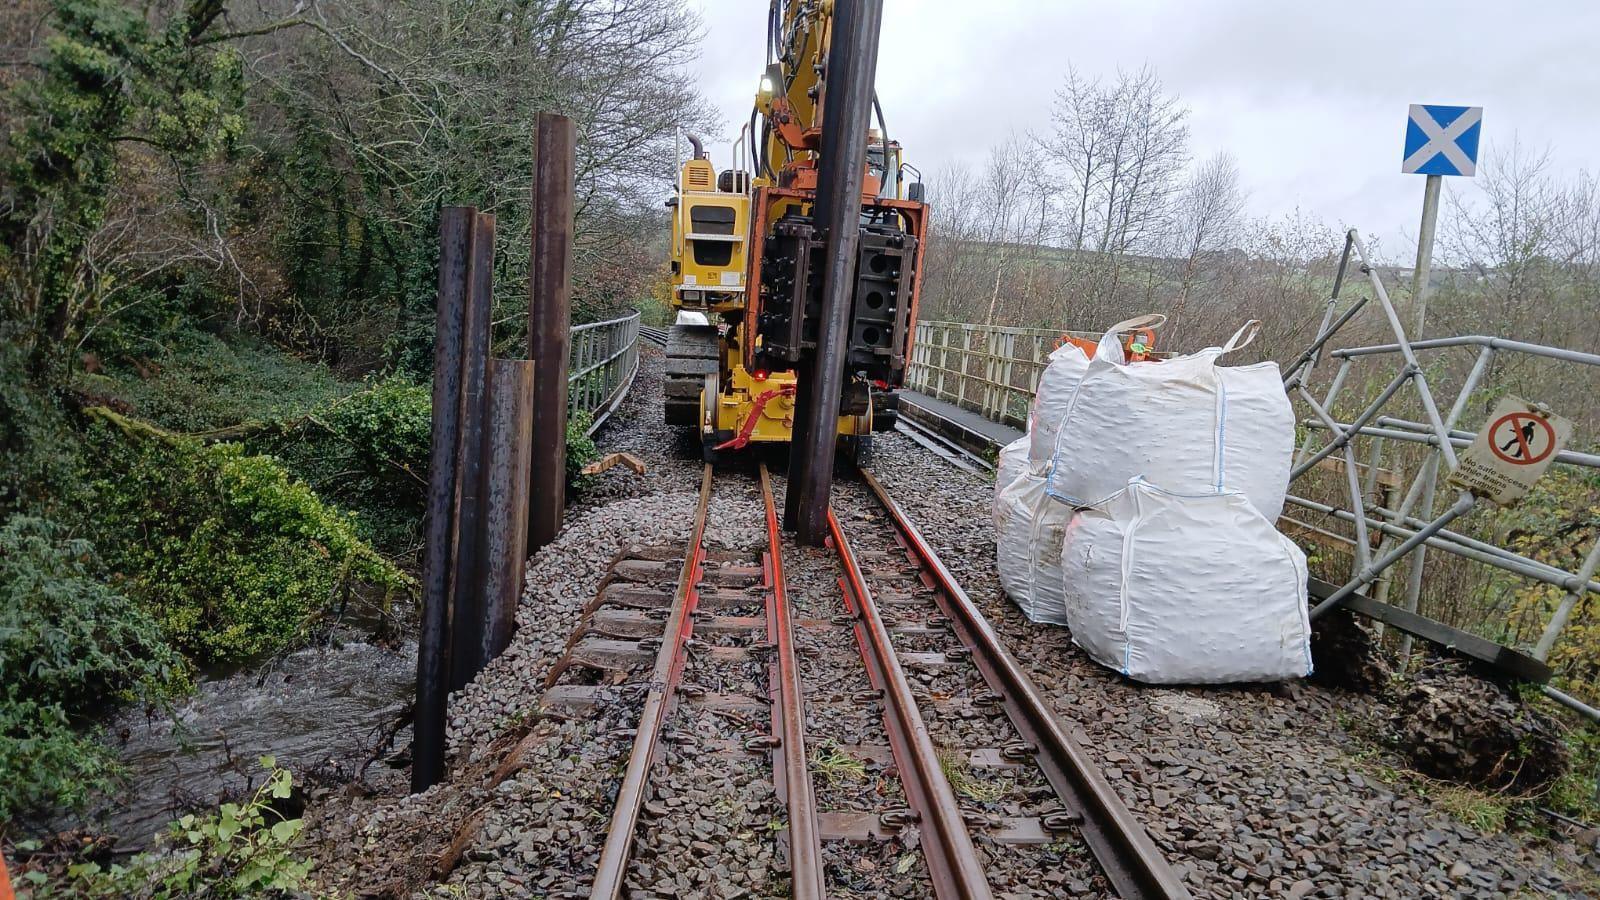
{"x": 69, "y": 643}
{"x": 106, "y": 80}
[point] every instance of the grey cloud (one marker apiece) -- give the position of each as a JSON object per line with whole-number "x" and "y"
{"x": 1310, "y": 99}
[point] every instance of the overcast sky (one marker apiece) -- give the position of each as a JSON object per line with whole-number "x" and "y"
{"x": 1310, "y": 99}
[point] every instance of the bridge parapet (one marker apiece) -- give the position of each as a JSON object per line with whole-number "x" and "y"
{"x": 991, "y": 370}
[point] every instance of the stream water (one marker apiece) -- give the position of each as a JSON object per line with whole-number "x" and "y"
{"x": 322, "y": 709}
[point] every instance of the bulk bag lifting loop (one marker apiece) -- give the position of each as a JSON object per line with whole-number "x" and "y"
{"x": 1059, "y": 382}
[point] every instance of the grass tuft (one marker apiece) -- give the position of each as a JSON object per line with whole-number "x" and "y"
{"x": 835, "y": 765}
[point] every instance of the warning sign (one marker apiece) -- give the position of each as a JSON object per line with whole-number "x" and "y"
{"x": 1513, "y": 450}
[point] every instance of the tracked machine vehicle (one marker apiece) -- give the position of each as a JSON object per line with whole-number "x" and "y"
{"x": 748, "y": 261}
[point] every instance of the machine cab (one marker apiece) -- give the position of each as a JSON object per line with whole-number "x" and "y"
{"x": 710, "y": 228}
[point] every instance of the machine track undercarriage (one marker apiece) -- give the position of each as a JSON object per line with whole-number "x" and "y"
{"x": 693, "y": 352}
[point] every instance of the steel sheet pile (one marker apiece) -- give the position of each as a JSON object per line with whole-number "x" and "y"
{"x": 1139, "y": 509}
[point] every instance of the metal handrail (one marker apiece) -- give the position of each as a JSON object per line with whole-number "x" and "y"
{"x": 1407, "y": 530}
{"x": 590, "y": 326}
{"x": 1478, "y": 340}
{"x": 611, "y": 348}
{"x": 1012, "y": 360}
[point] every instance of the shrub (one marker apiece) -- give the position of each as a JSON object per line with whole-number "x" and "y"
{"x": 1577, "y": 794}
{"x": 69, "y": 645}
{"x": 244, "y": 850}
{"x": 1557, "y": 523}
{"x": 46, "y": 763}
{"x": 234, "y": 557}
{"x": 36, "y": 440}
{"x": 581, "y": 449}
{"x": 389, "y": 426}
{"x": 202, "y": 381}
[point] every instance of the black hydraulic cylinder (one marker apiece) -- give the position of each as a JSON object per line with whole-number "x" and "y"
{"x": 846, "y": 113}
{"x": 455, "y": 249}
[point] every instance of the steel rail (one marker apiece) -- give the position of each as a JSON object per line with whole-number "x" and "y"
{"x": 790, "y": 763}
{"x": 940, "y": 446}
{"x": 1130, "y": 860}
{"x": 613, "y": 867}
{"x": 947, "y": 848}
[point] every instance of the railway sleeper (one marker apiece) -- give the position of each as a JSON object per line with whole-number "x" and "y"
{"x": 862, "y": 827}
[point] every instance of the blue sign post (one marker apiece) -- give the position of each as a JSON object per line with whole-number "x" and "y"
{"x": 1440, "y": 141}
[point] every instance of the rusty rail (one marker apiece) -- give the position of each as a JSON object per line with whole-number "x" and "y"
{"x": 947, "y": 847}
{"x": 1130, "y": 860}
{"x": 790, "y": 764}
{"x": 658, "y": 703}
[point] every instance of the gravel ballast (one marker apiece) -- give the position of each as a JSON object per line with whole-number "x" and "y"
{"x": 1250, "y": 791}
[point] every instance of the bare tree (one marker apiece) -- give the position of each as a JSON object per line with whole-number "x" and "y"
{"x": 1081, "y": 120}
{"x": 1207, "y": 222}
{"x": 1508, "y": 233}
{"x": 950, "y": 260}
{"x": 1010, "y": 199}
{"x": 1119, "y": 150}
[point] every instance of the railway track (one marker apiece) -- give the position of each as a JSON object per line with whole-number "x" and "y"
{"x": 943, "y": 447}
{"x": 853, "y": 700}
{"x": 657, "y": 336}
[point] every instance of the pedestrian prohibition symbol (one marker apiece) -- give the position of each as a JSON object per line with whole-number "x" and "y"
{"x": 1517, "y": 445}
{"x": 1521, "y": 439}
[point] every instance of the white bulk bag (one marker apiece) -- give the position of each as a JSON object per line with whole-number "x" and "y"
{"x": 1186, "y": 589}
{"x": 1029, "y": 527}
{"x": 1186, "y": 424}
{"x": 1059, "y": 382}
{"x": 1012, "y": 461}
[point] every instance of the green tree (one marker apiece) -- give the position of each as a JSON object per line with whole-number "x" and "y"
{"x": 113, "y": 92}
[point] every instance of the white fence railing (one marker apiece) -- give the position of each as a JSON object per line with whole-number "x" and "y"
{"x": 988, "y": 369}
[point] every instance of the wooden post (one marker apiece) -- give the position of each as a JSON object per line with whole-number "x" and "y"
{"x": 1007, "y": 374}
{"x": 550, "y": 323}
